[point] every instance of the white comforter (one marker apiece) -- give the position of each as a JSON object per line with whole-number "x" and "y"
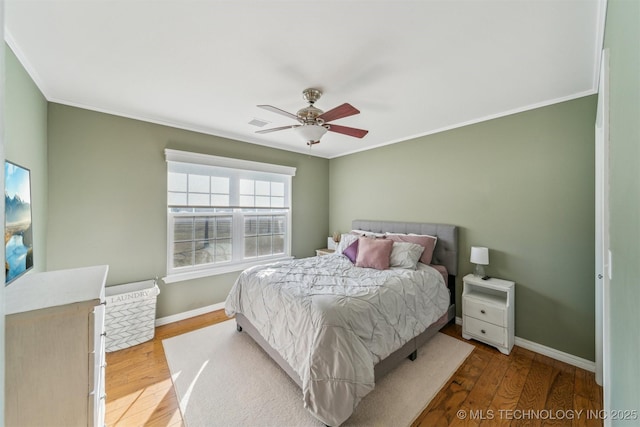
{"x": 332, "y": 321}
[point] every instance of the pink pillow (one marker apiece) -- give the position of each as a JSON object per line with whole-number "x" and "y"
{"x": 374, "y": 253}
{"x": 424, "y": 240}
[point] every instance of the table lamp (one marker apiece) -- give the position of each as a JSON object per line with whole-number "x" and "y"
{"x": 480, "y": 257}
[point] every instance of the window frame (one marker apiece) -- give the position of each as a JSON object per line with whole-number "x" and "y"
{"x": 240, "y": 169}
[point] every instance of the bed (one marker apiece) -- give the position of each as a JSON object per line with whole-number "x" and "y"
{"x": 335, "y": 328}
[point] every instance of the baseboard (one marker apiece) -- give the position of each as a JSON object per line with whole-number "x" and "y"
{"x": 187, "y": 314}
{"x": 576, "y": 361}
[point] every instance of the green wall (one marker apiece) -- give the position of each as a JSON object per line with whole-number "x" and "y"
{"x": 622, "y": 38}
{"x": 522, "y": 185}
{"x": 107, "y": 199}
{"x": 26, "y": 145}
{"x": 23, "y": 140}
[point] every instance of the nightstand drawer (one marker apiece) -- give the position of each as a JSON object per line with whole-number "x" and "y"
{"x": 482, "y": 310}
{"x": 486, "y": 332}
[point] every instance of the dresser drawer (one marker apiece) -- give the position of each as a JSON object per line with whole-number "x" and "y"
{"x": 97, "y": 365}
{"x": 97, "y": 347}
{"x": 485, "y": 331}
{"x": 483, "y": 310}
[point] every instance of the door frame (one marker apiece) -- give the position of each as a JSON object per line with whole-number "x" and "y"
{"x": 602, "y": 249}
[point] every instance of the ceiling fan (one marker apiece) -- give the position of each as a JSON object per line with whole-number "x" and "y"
{"x": 313, "y": 122}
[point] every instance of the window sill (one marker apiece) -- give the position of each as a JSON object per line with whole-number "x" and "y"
{"x": 180, "y": 277}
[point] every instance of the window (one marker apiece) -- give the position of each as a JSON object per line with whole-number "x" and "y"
{"x": 224, "y": 214}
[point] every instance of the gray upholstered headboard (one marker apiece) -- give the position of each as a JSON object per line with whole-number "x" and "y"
{"x": 446, "y": 251}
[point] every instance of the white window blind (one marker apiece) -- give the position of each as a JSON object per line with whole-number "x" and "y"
{"x": 224, "y": 214}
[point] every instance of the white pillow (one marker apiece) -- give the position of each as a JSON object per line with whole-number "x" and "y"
{"x": 345, "y": 241}
{"x": 405, "y": 255}
{"x": 368, "y": 233}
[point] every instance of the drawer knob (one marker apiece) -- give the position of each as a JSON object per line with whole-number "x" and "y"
{"x": 483, "y": 331}
{"x": 483, "y": 312}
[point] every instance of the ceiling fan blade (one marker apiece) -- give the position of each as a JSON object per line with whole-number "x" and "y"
{"x": 344, "y": 110}
{"x": 279, "y": 111}
{"x": 277, "y": 129}
{"x": 358, "y": 133}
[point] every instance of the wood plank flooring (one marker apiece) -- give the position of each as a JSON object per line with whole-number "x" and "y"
{"x": 489, "y": 389}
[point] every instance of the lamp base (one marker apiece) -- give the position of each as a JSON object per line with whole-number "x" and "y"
{"x": 479, "y": 271}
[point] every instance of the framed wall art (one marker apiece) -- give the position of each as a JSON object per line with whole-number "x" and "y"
{"x": 18, "y": 232}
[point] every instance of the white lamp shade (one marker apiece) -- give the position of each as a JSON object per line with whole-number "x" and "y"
{"x": 480, "y": 255}
{"x": 310, "y": 133}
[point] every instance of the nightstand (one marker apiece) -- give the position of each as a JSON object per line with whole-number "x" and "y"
{"x": 488, "y": 311}
{"x": 325, "y": 251}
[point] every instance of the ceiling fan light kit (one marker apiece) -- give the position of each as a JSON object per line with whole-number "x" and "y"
{"x": 310, "y": 133}
{"x": 313, "y": 122}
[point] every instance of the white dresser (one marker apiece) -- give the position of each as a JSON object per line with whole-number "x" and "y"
{"x": 488, "y": 310}
{"x": 55, "y": 357}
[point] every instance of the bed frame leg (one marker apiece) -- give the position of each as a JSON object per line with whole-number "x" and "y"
{"x": 238, "y": 328}
{"x": 413, "y": 356}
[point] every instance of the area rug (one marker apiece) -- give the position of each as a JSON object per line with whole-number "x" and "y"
{"x": 223, "y": 378}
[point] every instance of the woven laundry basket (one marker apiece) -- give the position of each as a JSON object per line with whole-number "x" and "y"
{"x": 130, "y": 314}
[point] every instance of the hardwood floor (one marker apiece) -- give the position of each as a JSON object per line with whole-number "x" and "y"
{"x": 138, "y": 382}
{"x": 522, "y": 389}
{"x": 489, "y": 389}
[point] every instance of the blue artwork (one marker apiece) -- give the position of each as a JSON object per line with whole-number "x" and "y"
{"x": 18, "y": 234}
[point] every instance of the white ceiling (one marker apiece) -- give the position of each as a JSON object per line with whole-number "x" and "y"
{"x": 411, "y": 67}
